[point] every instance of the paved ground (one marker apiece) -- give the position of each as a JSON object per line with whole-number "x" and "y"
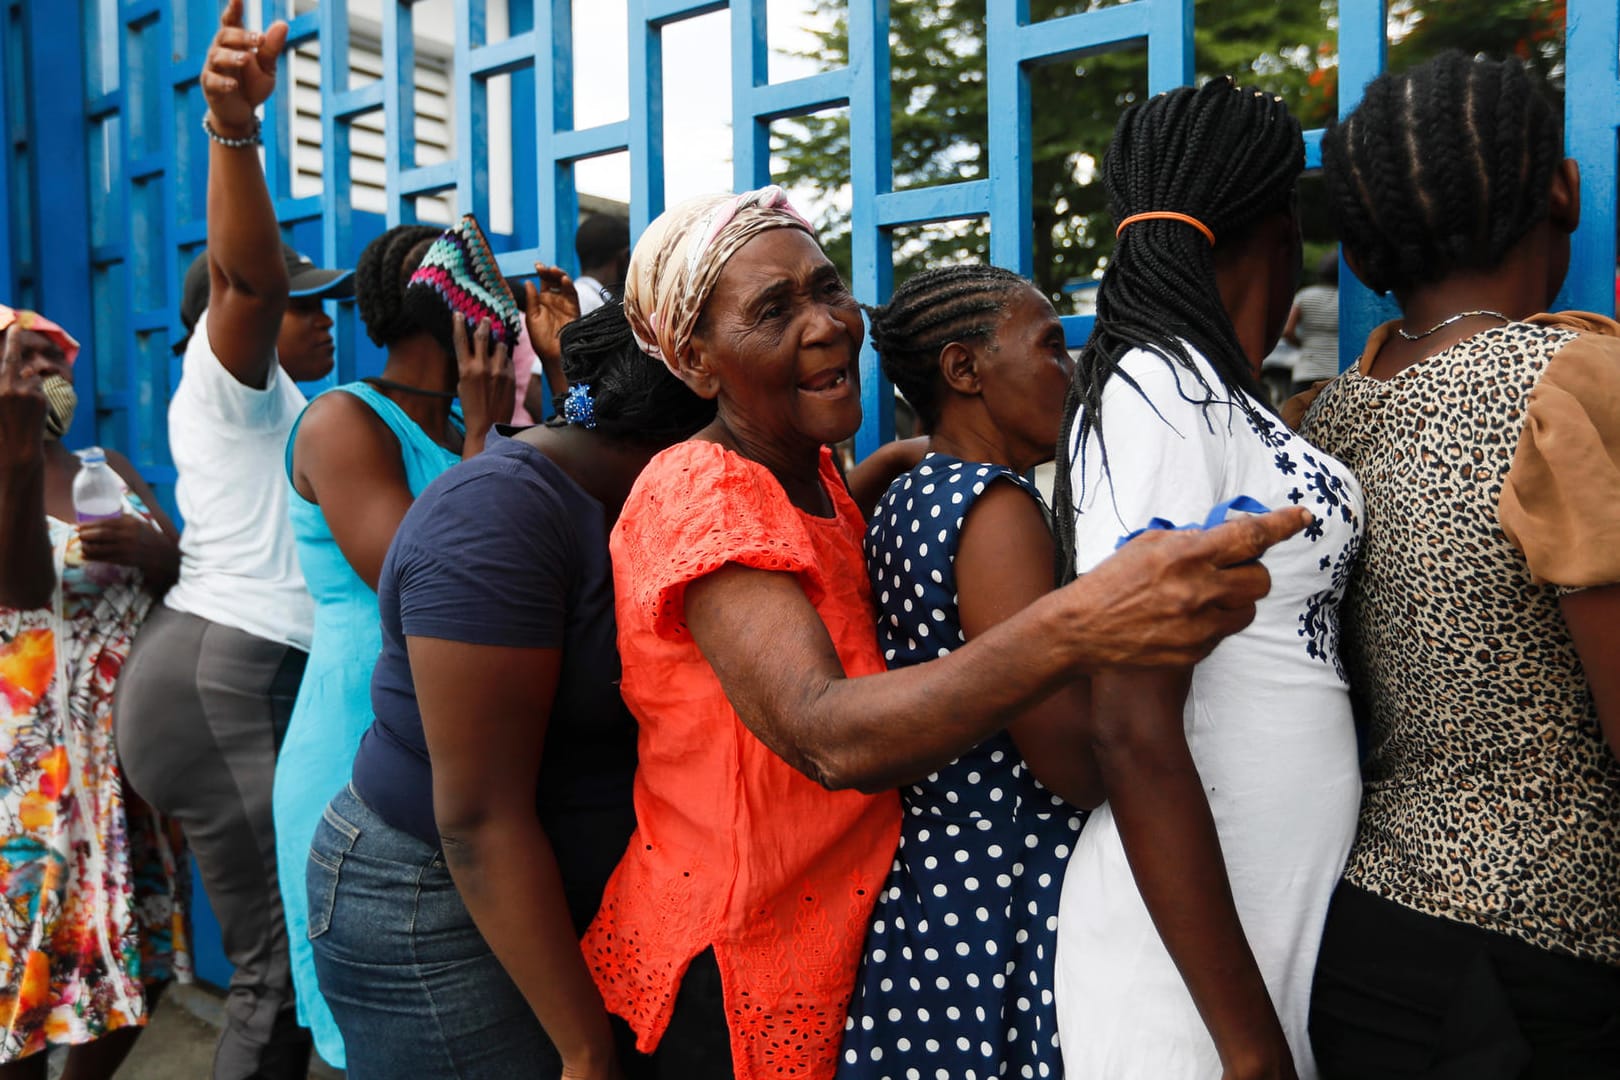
{"x": 179, "y": 1041}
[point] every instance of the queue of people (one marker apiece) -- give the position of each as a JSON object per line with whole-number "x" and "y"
{"x": 645, "y": 742}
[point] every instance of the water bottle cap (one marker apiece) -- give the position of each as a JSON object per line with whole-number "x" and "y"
{"x": 93, "y": 455}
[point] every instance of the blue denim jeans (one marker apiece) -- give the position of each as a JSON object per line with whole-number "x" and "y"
{"x": 412, "y": 984}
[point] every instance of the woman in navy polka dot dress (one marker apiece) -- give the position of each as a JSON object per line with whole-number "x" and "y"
{"x": 957, "y": 977}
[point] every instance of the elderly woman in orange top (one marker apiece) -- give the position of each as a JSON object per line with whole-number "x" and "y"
{"x": 732, "y": 929}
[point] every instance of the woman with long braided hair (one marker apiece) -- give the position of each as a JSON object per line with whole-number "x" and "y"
{"x": 1194, "y": 900}
{"x": 450, "y": 880}
{"x": 1477, "y": 929}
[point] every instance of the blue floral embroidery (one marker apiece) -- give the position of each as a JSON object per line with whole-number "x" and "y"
{"x": 1319, "y": 623}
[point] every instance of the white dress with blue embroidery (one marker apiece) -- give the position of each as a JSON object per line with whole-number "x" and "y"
{"x": 957, "y": 975}
{"x": 1267, "y": 720}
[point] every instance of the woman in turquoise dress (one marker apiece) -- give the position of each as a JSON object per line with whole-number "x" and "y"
{"x": 357, "y": 458}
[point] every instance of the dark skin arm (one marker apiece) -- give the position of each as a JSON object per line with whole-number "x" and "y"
{"x": 871, "y": 478}
{"x": 485, "y": 711}
{"x": 1291, "y": 327}
{"x": 247, "y": 277}
{"x": 1003, "y": 564}
{"x": 27, "y": 568}
{"x": 1593, "y": 618}
{"x": 130, "y": 541}
{"x": 1165, "y": 826}
{"x": 1164, "y": 599}
{"x": 347, "y": 461}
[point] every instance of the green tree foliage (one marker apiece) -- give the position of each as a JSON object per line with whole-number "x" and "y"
{"x": 940, "y": 114}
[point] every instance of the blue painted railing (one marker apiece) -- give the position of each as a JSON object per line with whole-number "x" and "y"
{"x": 103, "y": 185}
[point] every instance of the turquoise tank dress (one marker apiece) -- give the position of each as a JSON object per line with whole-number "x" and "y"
{"x": 334, "y": 701}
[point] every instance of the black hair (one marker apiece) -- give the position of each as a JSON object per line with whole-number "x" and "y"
{"x": 1226, "y": 155}
{"x": 633, "y": 396}
{"x": 599, "y": 238}
{"x": 385, "y": 266}
{"x": 1440, "y": 168}
{"x": 928, "y": 312}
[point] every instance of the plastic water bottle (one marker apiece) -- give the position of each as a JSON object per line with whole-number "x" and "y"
{"x": 97, "y": 494}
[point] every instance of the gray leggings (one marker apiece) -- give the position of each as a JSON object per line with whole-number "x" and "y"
{"x": 200, "y": 713}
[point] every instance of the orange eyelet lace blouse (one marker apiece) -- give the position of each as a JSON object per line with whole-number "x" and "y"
{"x": 734, "y": 848}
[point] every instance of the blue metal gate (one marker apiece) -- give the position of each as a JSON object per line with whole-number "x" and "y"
{"x": 103, "y": 187}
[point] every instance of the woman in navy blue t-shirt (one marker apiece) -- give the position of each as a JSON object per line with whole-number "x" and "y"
{"x": 491, "y": 798}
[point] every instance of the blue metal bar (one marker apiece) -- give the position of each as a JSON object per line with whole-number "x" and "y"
{"x": 348, "y": 104}
{"x": 399, "y": 110}
{"x": 337, "y": 221}
{"x": 1313, "y": 148}
{"x": 1591, "y": 113}
{"x": 306, "y": 27}
{"x": 591, "y": 142}
{"x": 946, "y": 202}
{"x": 799, "y": 96}
{"x": 1363, "y": 47}
{"x": 656, "y": 13}
{"x": 646, "y": 139}
{"x": 503, "y": 57}
{"x": 1082, "y": 33}
{"x": 1007, "y": 95}
{"x": 60, "y": 193}
{"x": 556, "y": 196}
{"x": 472, "y": 113}
{"x": 750, "y": 135}
{"x": 427, "y": 179}
{"x": 871, "y": 176}
{"x": 8, "y": 206}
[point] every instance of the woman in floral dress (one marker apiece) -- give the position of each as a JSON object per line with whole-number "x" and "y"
{"x": 93, "y": 917}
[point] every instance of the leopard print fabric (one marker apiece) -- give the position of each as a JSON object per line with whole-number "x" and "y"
{"x": 1490, "y": 795}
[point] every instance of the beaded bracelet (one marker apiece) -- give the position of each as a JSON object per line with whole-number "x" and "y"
{"x": 233, "y": 144}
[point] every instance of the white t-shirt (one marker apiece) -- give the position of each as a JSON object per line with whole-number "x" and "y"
{"x": 1267, "y": 722}
{"x": 592, "y": 293}
{"x": 238, "y": 562}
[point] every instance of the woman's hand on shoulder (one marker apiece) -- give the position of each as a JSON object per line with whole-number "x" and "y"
{"x": 239, "y": 71}
{"x": 1167, "y": 598}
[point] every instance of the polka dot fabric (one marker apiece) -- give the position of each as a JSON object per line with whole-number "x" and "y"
{"x": 957, "y": 977}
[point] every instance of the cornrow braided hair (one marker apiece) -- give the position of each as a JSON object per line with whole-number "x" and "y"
{"x": 379, "y": 281}
{"x": 1441, "y": 168}
{"x": 633, "y": 396}
{"x": 1226, "y": 155}
{"x": 928, "y": 312}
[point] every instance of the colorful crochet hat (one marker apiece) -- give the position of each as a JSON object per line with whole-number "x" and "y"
{"x": 458, "y": 278}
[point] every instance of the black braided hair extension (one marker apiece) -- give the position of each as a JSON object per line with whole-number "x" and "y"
{"x": 385, "y": 266}
{"x": 928, "y": 312}
{"x": 1224, "y": 154}
{"x": 633, "y": 396}
{"x": 1440, "y": 168}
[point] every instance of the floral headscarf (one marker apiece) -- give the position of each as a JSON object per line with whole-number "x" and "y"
{"x": 32, "y": 320}
{"x": 677, "y": 261}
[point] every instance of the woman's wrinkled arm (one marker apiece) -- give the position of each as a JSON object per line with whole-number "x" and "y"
{"x": 485, "y": 712}
{"x": 1165, "y": 599}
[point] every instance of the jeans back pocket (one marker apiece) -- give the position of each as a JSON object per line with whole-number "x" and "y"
{"x": 334, "y": 838}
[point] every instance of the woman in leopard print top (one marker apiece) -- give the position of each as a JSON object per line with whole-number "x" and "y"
{"x": 1477, "y": 930}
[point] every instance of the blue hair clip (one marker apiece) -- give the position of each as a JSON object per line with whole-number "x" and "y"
{"x": 578, "y": 408}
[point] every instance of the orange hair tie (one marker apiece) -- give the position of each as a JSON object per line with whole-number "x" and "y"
{"x": 1168, "y": 215}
